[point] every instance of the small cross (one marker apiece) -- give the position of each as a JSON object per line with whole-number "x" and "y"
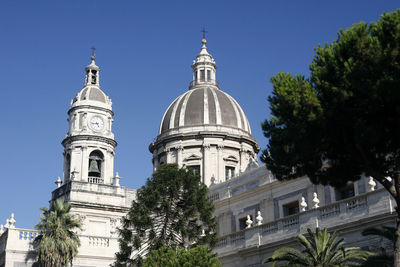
{"x": 204, "y": 32}
{"x": 93, "y": 49}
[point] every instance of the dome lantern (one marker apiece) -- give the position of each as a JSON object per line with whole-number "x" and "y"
{"x": 204, "y": 68}
{"x": 92, "y": 73}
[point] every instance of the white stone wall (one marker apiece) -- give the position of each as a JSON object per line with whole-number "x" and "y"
{"x": 211, "y": 154}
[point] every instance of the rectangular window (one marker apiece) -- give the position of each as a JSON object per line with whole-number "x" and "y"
{"x": 345, "y": 192}
{"x": 202, "y": 75}
{"x": 208, "y": 75}
{"x": 229, "y": 172}
{"x": 290, "y": 208}
{"x": 195, "y": 169}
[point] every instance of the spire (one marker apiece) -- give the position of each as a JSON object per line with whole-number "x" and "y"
{"x": 204, "y": 68}
{"x": 92, "y": 71}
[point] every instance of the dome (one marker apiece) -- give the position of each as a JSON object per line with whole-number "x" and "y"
{"x": 92, "y": 93}
{"x": 205, "y": 129}
{"x": 205, "y": 106}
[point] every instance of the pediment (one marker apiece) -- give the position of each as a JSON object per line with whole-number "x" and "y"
{"x": 192, "y": 157}
{"x": 231, "y": 158}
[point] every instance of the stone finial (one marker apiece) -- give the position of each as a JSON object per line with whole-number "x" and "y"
{"x": 212, "y": 179}
{"x": 249, "y": 222}
{"x": 58, "y": 182}
{"x": 259, "y": 218}
{"x": 315, "y": 201}
{"x": 303, "y": 204}
{"x": 11, "y": 222}
{"x": 371, "y": 184}
{"x": 388, "y": 178}
{"x": 203, "y": 233}
{"x": 1, "y": 229}
{"x": 116, "y": 179}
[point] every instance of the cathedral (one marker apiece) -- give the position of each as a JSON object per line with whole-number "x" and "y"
{"x": 206, "y": 130}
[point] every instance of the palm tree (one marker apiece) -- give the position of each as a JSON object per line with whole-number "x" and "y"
{"x": 57, "y": 244}
{"x": 321, "y": 249}
{"x": 382, "y": 260}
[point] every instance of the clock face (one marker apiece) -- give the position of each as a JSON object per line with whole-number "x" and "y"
{"x": 96, "y": 123}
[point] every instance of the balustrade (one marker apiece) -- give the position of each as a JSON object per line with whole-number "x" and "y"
{"x": 329, "y": 211}
{"x": 290, "y": 222}
{"x": 356, "y": 203}
{"x": 269, "y": 228}
{"x": 27, "y": 235}
{"x": 99, "y": 242}
{"x": 96, "y": 180}
{"x": 328, "y": 214}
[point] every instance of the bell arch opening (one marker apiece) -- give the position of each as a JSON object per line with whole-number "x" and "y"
{"x": 95, "y": 171}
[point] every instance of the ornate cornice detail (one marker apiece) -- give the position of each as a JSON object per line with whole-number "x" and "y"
{"x": 90, "y": 107}
{"x": 73, "y": 138}
{"x": 199, "y": 135}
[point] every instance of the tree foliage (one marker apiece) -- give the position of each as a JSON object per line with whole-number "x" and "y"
{"x": 170, "y": 211}
{"x": 198, "y": 256}
{"x": 57, "y": 243}
{"x": 320, "y": 249}
{"x": 344, "y": 120}
{"x": 384, "y": 259}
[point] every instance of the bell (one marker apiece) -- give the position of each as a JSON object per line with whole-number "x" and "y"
{"x": 94, "y": 168}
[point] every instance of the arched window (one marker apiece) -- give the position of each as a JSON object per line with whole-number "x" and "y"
{"x": 95, "y": 167}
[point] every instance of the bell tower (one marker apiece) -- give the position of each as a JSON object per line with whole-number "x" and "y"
{"x": 89, "y": 185}
{"x": 89, "y": 144}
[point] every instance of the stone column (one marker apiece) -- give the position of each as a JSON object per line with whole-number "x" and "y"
{"x": 220, "y": 175}
{"x": 179, "y": 155}
{"x": 109, "y": 167}
{"x": 84, "y": 165}
{"x": 168, "y": 153}
{"x": 242, "y": 154}
{"x": 206, "y": 164}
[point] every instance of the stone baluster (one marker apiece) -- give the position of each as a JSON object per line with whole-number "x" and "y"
{"x": 371, "y": 184}
{"x": 249, "y": 222}
{"x": 303, "y": 204}
{"x": 259, "y": 218}
{"x": 315, "y": 201}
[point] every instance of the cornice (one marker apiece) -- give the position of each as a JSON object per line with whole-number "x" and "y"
{"x": 73, "y": 138}
{"x": 90, "y": 107}
{"x": 203, "y": 134}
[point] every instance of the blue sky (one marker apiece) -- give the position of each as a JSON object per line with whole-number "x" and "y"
{"x": 145, "y": 50}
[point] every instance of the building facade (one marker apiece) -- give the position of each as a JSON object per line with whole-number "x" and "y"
{"x": 204, "y": 129}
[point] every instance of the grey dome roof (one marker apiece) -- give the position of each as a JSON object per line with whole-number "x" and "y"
{"x": 91, "y": 93}
{"x": 204, "y": 106}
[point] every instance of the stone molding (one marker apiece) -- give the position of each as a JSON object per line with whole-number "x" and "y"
{"x": 74, "y": 138}
{"x": 204, "y": 134}
{"x": 90, "y": 107}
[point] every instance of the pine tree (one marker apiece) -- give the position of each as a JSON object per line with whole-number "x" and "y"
{"x": 342, "y": 122}
{"x": 198, "y": 256}
{"x": 170, "y": 211}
